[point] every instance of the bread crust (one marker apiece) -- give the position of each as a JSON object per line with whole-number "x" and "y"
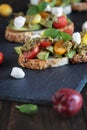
{"x": 41, "y": 64}
{"x": 80, "y": 6}
{"x": 16, "y": 36}
{"x": 79, "y": 58}
{"x": 21, "y": 36}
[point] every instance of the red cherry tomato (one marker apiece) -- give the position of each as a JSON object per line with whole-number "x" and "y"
{"x": 32, "y": 53}
{"x": 45, "y": 43}
{"x": 68, "y": 30}
{"x": 67, "y": 101}
{"x": 1, "y": 57}
{"x": 61, "y": 22}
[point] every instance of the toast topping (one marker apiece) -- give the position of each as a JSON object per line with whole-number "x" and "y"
{"x": 53, "y": 52}
{"x": 19, "y": 22}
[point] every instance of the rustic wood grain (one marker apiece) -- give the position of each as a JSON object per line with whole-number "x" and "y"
{"x": 45, "y": 119}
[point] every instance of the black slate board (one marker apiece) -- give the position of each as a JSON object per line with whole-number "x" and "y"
{"x": 38, "y": 86}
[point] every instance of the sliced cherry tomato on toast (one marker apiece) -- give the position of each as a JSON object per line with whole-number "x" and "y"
{"x": 68, "y": 30}
{"x": 58, "y": 48}
{"x": 1, "y": 57}
{"x": 32, "y": 53}
{"x": 61, "y": 22}
{"x": 45, "y": 43}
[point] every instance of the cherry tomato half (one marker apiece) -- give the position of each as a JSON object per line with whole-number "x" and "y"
{"x": 61, "y": 22}
{"x": 32, "y": 53}
{"x": 58, "y": 48}
{"x": 69, "y": 31}
{"x": 45, "y": 43}
{"x": 1, "y": 57}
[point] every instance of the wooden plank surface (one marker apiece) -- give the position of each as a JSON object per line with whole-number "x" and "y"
{"x": 45, "y": 119}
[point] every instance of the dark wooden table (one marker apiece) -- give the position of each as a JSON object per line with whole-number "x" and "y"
{"x": 45, "y": 119}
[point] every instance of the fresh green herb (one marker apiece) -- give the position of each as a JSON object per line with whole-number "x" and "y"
{"x": 42, "y": 6}
{"x": 66, "y": 36}
{"x": 33, "y": 10}
{"x": 54, "y": 33}
{"x": 51, "y": 32}
{"x": 27, "y": 108}
{"x": 36, "y": 8}
{"x": 59, "y": 37}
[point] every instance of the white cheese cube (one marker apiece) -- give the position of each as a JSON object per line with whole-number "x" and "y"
{"x": 34, "y": 2}
{"x": 48, "y": 8}
{"x": 19, "y": 22}
{"x": 58, "y": 11}
{"x": 84, "y": 26}
{"x": 17, "y": 73}
{"x": 35, "y": 36}
{"x": 76, "y": 37}
{"x": 67, "y": 9}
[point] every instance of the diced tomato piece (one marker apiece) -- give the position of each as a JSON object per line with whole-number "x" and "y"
{"x": 1, "y": 57}
{"x": 32, "y": 53}
{"x": 61, "y": 22}
{"x": 45, "y": 43}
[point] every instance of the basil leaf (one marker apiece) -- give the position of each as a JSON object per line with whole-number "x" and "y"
{"x": 33, "y": 10}
{"x": 59, "y": 35}
{"x": 37, "y": 8}
{"x": 27, "y": 108}
{"x": 51, "y": 32}
{"x": 42, "y": 6}
{"x": 65, "y": 36}
{"x": 54, "y": 33}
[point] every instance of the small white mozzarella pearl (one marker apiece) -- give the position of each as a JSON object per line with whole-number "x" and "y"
{"x": 67, "y": 9}
{"x": 19, "y": 21}
{"x": 34, "y": 2}
{"x": 17, "y": 73}
{"x": 58, "y": 11}
{"x": 84, "y": 26}
{"x": 76, "y": 37}
{"x": 35, "y": 36}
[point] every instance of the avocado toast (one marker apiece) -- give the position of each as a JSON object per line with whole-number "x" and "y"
{"x": 37, "y": 19}
{"x": 54, "y": 48}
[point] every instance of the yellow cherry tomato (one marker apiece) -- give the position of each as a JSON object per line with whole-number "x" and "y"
{"x": 84, "y": 39}
{"x": 36, "y": 19}
{"x": 58, "y": 48}
{"x": 5, "y": 10}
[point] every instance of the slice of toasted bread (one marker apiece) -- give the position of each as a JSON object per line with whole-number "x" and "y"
{"x": 79, "y": 6}
{"x": 41, "y": 64}
{"x": 16, "y": 36}
{"x": 21, "y": 36}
